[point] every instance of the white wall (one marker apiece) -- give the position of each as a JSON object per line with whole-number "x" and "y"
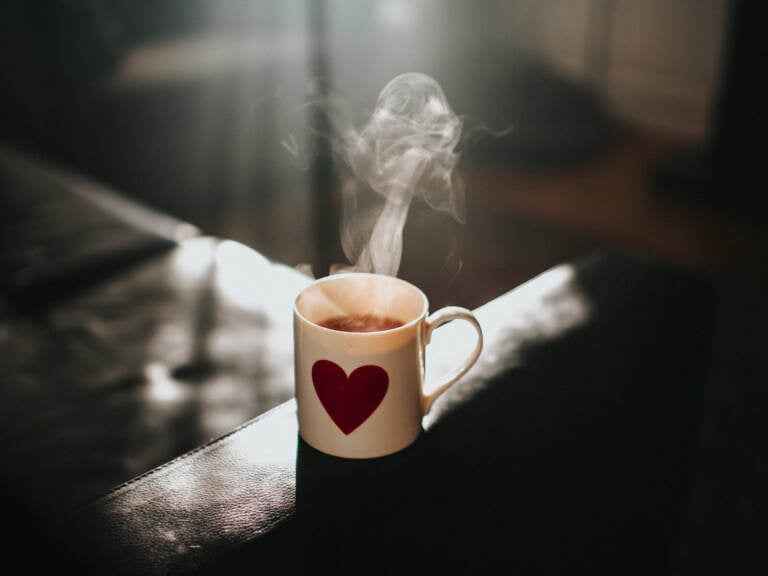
{"x": 657, "y": 62}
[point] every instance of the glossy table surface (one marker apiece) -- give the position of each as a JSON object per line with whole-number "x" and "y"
{"x": 565, "y": 448}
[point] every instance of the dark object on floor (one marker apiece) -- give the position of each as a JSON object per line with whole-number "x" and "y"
{"x": 60, "y": 230}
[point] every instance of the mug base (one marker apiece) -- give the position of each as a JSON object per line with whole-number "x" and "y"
{"x": 358, "y": 452}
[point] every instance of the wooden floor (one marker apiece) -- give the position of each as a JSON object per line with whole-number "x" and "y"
{"x": 613, "y": 199}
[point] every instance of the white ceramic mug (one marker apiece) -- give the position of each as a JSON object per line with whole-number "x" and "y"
{"x": 360, "y": 394}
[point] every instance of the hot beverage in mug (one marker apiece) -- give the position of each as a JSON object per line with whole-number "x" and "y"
{"x": 361, "y": 323}
{"x": 360, "y": 341}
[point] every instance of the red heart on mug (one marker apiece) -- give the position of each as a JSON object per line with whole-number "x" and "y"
{"x": 349, "y": 401}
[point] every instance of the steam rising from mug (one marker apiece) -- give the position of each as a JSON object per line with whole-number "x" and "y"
{"x": 405, "y": 150}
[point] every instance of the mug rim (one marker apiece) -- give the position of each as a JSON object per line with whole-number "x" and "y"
{"x": 343, "y": 275}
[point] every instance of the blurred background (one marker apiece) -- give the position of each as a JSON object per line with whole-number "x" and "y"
{"x": 200, "y": 109}
{"x": 631, "y": 125}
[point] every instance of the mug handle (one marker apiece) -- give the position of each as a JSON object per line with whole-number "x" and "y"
{"x": 438, "y": 319}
